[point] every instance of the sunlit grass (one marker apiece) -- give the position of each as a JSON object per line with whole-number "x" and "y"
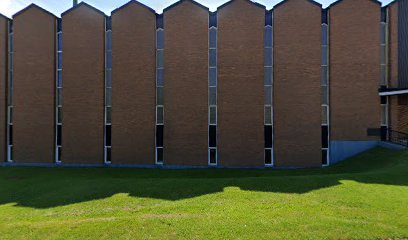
{"x": 363, "y": 198}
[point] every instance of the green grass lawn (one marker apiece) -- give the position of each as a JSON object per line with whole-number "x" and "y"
{"x": 365, "y": 197}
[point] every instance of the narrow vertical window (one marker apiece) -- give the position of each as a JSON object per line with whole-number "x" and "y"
{"x": 384, "y": 48}
{"x": 325, "y": 99}
{"x": 159, "y": 90}
{"x": 268, "y": 89}
{"x": 212, "y": 90}
{"x": 108, "y": 91}
{"x": 58, "y": 93}
{"x": 10, "y": 93}
{"x": 384, "y": 69}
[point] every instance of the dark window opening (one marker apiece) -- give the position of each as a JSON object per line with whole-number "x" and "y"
{"x": 268, "y": 136}
{"x": 108, "y": 154}
{"x": 159, "y": 21}
{"x": 324, "y": 157}
{"x": 213, "y": 156}
{"x": 268, "y": 156}
{"x": 159, "y": 157}
{"x": 213, "y": 19}
{"x": 10, "y": 134}
{"x": 59, "y": 133}
{"x": 325, "y": 137}
{"x": 383, "y": 100}
{"x": 108, "y": 135}
{"x": 213, "y": 136}
{"x": 159, "y": 135}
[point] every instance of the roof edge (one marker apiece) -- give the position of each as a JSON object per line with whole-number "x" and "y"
{"x": 133, "y": 2}
{"x": 231, "y": 1}
{"x": 31, "y": 6}
{"x": 83, "y": 4}
{"x": 340, "y": 1}
{"x": 310, "y": 1}
{"x": 181, "y": 1}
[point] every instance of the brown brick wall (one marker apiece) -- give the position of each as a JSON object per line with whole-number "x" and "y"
{"x": 3, "y": 81}
{"x": 83, "y": 86}
{"x": 393, "y": 44}
{"x": 241, "y": 84}
{"x": 133, "y": 91}
{"x": 297, "y": 102}
{"x": 34, "y": 87}
{"x": 354, "y": 69}
{"x": 398, "y": 109}
{"x": 186, "y": 85}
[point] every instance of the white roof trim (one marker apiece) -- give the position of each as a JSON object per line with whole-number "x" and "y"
{"x": 397, "y": 92}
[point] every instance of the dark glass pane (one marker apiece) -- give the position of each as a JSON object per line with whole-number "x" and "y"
{"x": 212, "y": 19}
{"x": 60, "y": 60}
{"x": 11, "y": 43}
{"x": 268, "y": 56}
{"x": 213, "y": 38}
{"x": 160, "y": 115}
{"x": 213, "y": 115}
{"x": 324, "y": 55}
{"x": 213, "y": 96}
{"x": 159, "y": 21}
{"x": 212, "y": 136}
{"x": 268, "y": 156}
{"x": 59, "y": 119}
{"x": 109, "y": 59}
{"x": 160, "y": 77}
{"x": 159, "y": 157}
{"x": 268, "y": 36}
{"x": 268, "y": 76}
{"x": 383, "y": 100}
{"x": 59, "y": 41}
{"x": 213, "y": 57}
{"x": 325, "y": 136}
{"x": 59, "y": 78}
{"x": 213, "y": 156}
{"x": 59, "y": 96}
{"x": 108, "y": 21}
{"x": 159, "y": 135}
{"x": 268, "y": 136}
{"x": 108, "y": 97}
{"x": 108, "y": 115}
{"x": 11, "y": 115}
{"x": 109, "y": 78}
{"x": 160, "y": 59}
{"x": 109, "y": 40}
{"x": 324, "y": 157}
{"x": 108, "y": 134}
{"x": 383, "y": 57}
{"x": 324, "y": 115}
{"x": 160, "y": 39}
{"x": 160, "y": 96}
{"x": 10, "y": 134}
{"x": 324, "y": 72}
{"x": 383, "y": 33}
{"x": 324, "y": 34}
{"x": 213, "y": 77}
{"x": 268, "y": 95}
{"x": 268, "y": 115}
{"x": 59, "y": 153}
{"x": 59, "y": 134}
{"x": 108, "y": 155}
{"x": 325, "y": 96}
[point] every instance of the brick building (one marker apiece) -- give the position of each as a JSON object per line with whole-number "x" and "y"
{"x": 293, "y": 86}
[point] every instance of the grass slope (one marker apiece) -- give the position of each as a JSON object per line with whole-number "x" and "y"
{"x": 365, "y": 197}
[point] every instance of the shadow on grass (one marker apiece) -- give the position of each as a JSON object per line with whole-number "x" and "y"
{"x": 50, "y": 187}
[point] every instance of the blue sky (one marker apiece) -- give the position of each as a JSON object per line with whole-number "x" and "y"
{"x": 9, "y": 7}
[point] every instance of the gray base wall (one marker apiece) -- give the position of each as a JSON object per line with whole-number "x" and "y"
{"x": 341, "y": 150}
